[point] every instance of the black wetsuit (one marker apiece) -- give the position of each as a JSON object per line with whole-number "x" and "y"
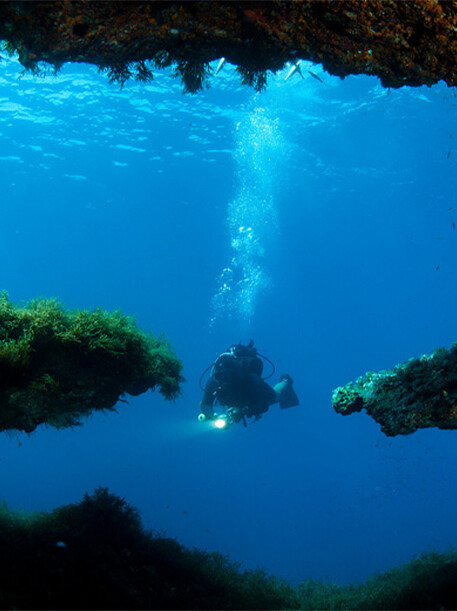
{"x": 236, "y": 381}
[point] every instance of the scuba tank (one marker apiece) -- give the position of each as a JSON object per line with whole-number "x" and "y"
{"x": 225, "y": 362}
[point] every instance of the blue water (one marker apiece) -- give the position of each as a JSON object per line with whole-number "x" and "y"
{"x": 314, "y": 218}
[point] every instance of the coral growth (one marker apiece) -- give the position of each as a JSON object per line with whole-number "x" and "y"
{"x": 404, "y": 43}
{"x": 57, "y": 366}
{"x": 417, "y": 394}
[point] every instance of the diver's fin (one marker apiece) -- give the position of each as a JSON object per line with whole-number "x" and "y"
{"x": 285, "y": 392}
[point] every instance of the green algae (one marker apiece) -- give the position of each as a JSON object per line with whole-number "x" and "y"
{"x": 59, "y": 365}
{"x": 96, "y": 554}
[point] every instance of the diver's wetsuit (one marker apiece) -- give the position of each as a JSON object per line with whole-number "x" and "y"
{"x": 236, "y": 381}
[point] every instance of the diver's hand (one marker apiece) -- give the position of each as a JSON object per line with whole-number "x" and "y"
{"x": 235, "y": 413}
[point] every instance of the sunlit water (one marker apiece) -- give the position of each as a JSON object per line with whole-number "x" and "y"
{"x": 316, "y": 219}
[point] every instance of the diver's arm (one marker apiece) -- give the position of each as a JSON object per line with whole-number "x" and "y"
{"x": 206, "y": 407}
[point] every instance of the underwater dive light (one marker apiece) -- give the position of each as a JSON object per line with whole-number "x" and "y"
{"x": 221, "y": 422}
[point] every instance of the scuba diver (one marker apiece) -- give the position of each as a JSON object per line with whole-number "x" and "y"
{"x": 237, "y": 386}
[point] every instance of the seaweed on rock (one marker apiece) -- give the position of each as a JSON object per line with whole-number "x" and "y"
{"x": 403, "y": 43}
{"x": 419, "y": 393}
{"x": 57, "y": 365}
{"x": 96, "y": 554}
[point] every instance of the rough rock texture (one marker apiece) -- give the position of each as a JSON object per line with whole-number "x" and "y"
{"x": 420, "y": 393}
{"x": 402, "y": 42}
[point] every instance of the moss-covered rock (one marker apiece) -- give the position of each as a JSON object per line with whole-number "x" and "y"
{"x": 419, "y": 393}
{"x": 57, "y": 366}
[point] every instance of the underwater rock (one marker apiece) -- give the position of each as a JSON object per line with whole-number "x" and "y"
{"x": 404, "y": 43}
{"x": 96, "y": 554}
{"x": 57, "y": 366}
{"x": 419, "y": 393}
